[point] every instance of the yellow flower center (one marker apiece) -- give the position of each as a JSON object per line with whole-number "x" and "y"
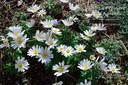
{"x": 96, "y": 15}
{"x": 47, "y": 36}
{"x": 80, "y": 49}
{"x": 61, "y": 48}
{"x": 39, "y": 36}
{"x": 20, "y": 65}
{"x": 55, "y": 31}
{"x": 49, "y": 24}
{"x": 84, "y": 37}
{"x": 100, "y": 51}
{"x": 16, "y": 34}
{"x": 89, "y": 34}
{"x": 20, "y": 41}
{"x": 35, "y": 52}
{"x": 95, "y": 28}
{"x": 113, "y": 70}
{"x": 68, "y": 51}
{"x": 72, "y": 19}
{"x": 34, "y": 10}
{"x": 60, "y": 69}
{"x": 91, "y": 57}
{"x": 45, "y": 54}
{"x": 86, "y": 67}
{"x": 41, "y": 13}
{"x": 5, "y": 42}
{"x": 51, "y": 43}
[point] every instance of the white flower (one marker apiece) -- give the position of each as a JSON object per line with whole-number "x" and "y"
{"x": 85, "y": 64}
{"x": 19, "y": 42}
{"x": 101, "y": 27}
{"x": 80, "y": 48}
{"x": 64, "y": 1}
{"x": 94, "y": 27}
{"x": 20, "y": 2}
{"x": 72, "y": 7}
{"x": 48, "y": 23}
{"x": 56, "y": 31}
{"x": 92, "y": 57}
{"x": 103, "y": 65}
{"x": 101, "y": 50}
{"x": 85, "y": 83}
{"x": 88, "y": 15}
{"x": 45, "y": 55}
{"x": 55, "y": 21}
{"x": 47, "y": 35}
{"x": 73, "y": 18}
{"x": 96, "y": 14}
{"x": 33, "y": 8}
{"x": 42, "y": 12}
{"x": 58, "y": 83}
{"x": 84, "y": 37}
{"x": 5, "y": 42}
{"x": 68, "y": 51}
{"x": 51, "y": 42}
{"x": 34, "y": 51}
{"x": 21, "y": 64}
{"x": 112, "y": 67}
{"x": 16, "y": 31}
{"x": 60, "y": 48}
{"x": 67, "y": 22}
{"x": 15, "y": 27}
{"x": 39, "y": 35}
{"x": 31, "y": 23}
{"x": 89, "y": 33}
{"x": 61, "y": 69}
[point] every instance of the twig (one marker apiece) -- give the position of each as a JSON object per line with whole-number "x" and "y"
{"x": 124, "y": 47}
{"x": 107, "y": 35}
{"x": 72, "y": 77}
{"x": 34, "y": 2}
{"x": 56, "y": 79}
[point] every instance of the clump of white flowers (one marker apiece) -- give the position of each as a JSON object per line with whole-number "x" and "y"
{"x": 45, "y": 42}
